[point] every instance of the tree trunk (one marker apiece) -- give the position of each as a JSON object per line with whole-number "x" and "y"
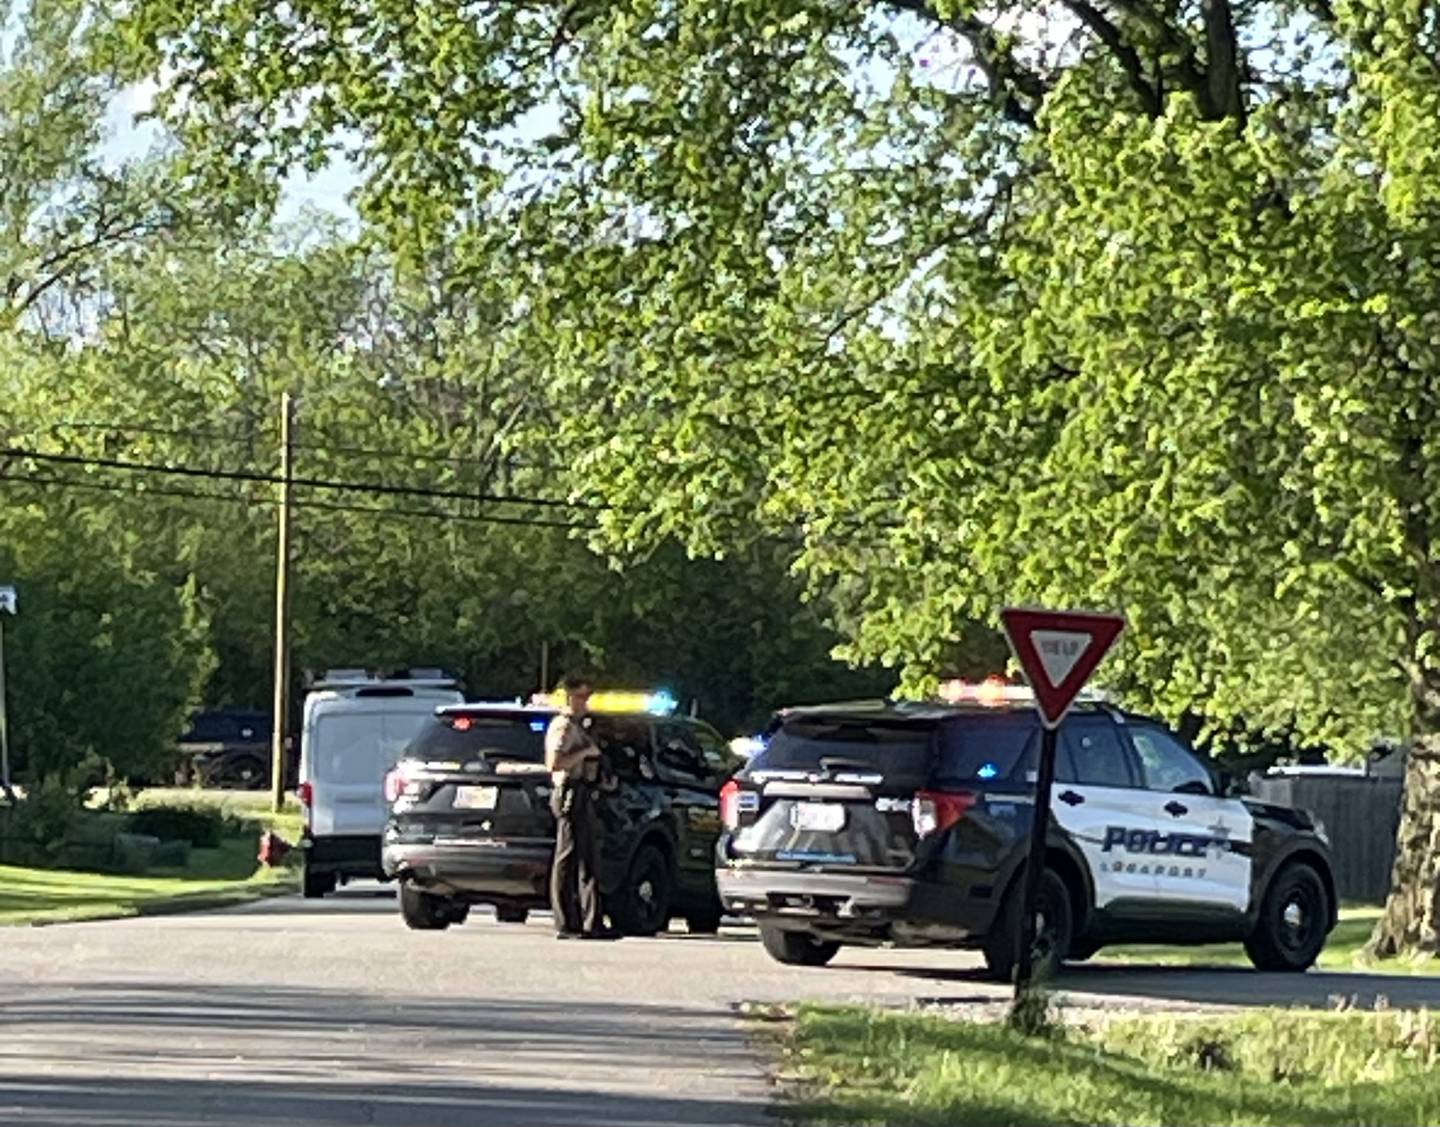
{"x": 1411, "y": 922}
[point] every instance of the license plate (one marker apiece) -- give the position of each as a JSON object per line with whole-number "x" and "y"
{"x": 476, "y": 798}
{"x": 823, "y": 817}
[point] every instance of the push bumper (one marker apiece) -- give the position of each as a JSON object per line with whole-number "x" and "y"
{"x": 498, "y": 872}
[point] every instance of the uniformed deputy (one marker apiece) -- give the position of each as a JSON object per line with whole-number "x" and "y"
{"x": 573, "y": 760}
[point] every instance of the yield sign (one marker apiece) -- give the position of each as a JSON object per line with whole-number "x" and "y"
{"x": 1058, "y": 650}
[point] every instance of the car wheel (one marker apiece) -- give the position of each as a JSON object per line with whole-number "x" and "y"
{"x": 423, "y": 911}
{"x": 796, "y": 948}
{"x": 510, "y": 914}
{"x": 643, "y": 906}
{"x": 706, "y": 921}
{"x": 1054, "y": 923}
{"x": 314, "y": 885}
{"x": 1293, "y": 923}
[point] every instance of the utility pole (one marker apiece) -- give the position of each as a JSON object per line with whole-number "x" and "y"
{"x": 7, "y": 606}
{"x": 544, "y": 667}
{"x": 282, "y": 607}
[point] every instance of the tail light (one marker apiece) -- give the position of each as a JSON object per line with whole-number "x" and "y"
{"x": 305, "y": 792}
{"x": 935, "y": 811}
{"x": 730, "y": 805}
{"x": 395, "y": 781}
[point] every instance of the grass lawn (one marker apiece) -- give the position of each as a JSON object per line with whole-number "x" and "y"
{"x": 227, "y": 874}
{"x": 1343, "y": 951}
{"x": 860, "y": 1066}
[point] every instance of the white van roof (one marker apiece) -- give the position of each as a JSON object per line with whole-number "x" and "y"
{"x": 361, "y": 686}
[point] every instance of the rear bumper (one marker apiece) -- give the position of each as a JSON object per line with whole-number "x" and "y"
{"x": 351, "y": 855}
{"x": 490, "y": 872}
{"x": 857, "y": 907}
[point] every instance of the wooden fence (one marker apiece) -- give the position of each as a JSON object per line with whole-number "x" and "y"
{"x": 1361, "y": 814}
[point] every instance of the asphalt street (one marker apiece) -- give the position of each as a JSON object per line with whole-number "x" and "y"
{"x": 305, "y": 1013}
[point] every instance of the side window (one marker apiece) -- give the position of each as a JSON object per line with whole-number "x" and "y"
{"x": 625, "y": 745}
{"x": 1092, "y": 754}
{"x": 679, "y": 754}
{"x": 716, "y": 753}
{"x": 1166, "y": 763}
{"x": 984, "y": 748}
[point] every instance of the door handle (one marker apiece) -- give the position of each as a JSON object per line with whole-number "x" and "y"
{"x": 1070, "y": 798}
{"x": 1175, "y": 809}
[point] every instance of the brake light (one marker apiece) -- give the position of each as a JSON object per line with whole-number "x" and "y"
{"x": 306, "y": 794}
{"x": 935, "y": 811}
{"x": 394, "y": 784}
{"x": 730, "y": 805}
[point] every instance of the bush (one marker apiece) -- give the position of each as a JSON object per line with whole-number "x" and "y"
{"x": 201, "y": 826}
{"x": 34, "y": 830}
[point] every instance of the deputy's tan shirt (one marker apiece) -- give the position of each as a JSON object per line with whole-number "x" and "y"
{"x": 565, "y": 737}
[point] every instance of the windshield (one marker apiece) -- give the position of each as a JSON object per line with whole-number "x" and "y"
{"x": 478, "y": 736}
{"x": 900, "y": 750}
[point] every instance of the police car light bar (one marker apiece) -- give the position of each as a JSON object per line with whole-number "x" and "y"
{"x": 994, "y": 692}
{"x": 658, "y": 703}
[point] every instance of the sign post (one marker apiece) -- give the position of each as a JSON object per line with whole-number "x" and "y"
{"x": 1058, "y": 650}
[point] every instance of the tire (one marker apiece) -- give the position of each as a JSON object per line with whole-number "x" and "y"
{"x": 706, "y": 921}
{"x": 423, "y": 911}
{"x": 245, "y": 773}
{"x": 642, "y": 903}
{"x": 796, "y": 948}
{"x": 1057, "y": 922}
{"x": 315, "y": 885}
{"x": 510, "y": 914}
{"x": 1294, "y": 921}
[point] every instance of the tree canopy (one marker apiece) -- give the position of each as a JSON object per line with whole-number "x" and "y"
{"x": 1122, "y": 302}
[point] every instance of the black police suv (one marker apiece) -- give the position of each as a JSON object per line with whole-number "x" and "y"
{"x": 470, "y": 819}
{"x": 909, "y": 823}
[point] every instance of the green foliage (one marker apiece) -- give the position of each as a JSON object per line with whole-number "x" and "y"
{"x": 202, "y": 826}
{"x": 858, "y": 1066}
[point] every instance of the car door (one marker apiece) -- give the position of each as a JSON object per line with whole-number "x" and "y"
{"x": 693, "y": 794}
{"x": 628, "y": 801}
{"x": 1099, "y": 802}
{"x": 1203, "y": 857}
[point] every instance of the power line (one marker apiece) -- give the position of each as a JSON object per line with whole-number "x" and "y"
{"x": 322, "y": 506}
{"x": 318, "y": 447}
{"x": 375, "y": 488}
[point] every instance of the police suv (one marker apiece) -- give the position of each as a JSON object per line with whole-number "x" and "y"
{"x": 909, "y": 822}
{"x": 470, "y": 819}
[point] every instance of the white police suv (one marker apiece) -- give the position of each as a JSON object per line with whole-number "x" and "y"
{"x": 906, "y": 822}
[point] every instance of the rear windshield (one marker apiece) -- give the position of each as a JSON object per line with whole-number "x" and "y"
{"x": 478, "y": 736}
{"x": 985, "y": 748}
{"x": 899, "y": 750}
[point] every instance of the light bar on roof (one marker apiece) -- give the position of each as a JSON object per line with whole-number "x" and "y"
{"x": 658, "y": 703}
{"x": 994, "y": 692}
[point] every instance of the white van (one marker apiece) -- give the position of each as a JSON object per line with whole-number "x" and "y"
{"x": 355, "y": 729}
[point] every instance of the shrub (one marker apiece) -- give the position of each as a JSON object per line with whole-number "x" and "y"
{"x": 201, "y": 826}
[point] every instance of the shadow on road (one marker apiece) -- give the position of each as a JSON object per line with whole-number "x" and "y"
{"x": 146, "y": 1055}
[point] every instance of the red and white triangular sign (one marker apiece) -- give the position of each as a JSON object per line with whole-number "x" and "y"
{"x": 1058, "y": 650}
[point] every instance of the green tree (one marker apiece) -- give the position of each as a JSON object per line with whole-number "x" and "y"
{"x": 1119, "y": 302}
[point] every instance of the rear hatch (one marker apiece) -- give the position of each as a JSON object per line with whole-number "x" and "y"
{"x": 475, "y": 776}
{"x": 834, "y": 791}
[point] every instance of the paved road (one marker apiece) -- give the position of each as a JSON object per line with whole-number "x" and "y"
{"x": 299, "y": 1013}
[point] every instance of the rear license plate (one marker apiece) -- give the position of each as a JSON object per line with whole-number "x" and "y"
{"x": 476, "y": 798}
{"x": 822, "y": 817}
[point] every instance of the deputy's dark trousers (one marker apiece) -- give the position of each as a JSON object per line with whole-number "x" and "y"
{"x": 574, "y": 877}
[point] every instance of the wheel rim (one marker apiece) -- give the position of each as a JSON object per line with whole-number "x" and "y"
{"x": 650, "y": 894}
{"x": 1298, "y": 919}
